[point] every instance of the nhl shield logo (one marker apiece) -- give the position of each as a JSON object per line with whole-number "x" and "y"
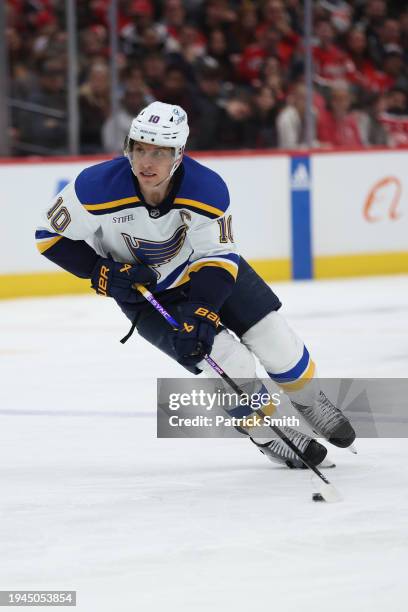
{"x": 155, "y": 213}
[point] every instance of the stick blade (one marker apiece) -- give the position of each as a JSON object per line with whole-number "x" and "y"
{"x": 327, "y": 490}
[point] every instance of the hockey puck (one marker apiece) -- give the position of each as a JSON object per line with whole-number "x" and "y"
{"x": 317, "y": 497}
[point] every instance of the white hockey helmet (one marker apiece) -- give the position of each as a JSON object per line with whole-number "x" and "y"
{"x": 163, "y": 125}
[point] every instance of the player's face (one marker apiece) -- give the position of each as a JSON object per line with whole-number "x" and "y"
{"x": 151, "y": 164}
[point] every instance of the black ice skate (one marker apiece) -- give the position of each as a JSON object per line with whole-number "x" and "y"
{"x": 277, "y": 451}
{"x": 328, "y": 421}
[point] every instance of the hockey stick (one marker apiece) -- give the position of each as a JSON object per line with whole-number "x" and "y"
{"x": 327, "y": 489}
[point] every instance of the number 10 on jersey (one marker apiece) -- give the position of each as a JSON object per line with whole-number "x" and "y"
{"x": 59, "y": 216}
{"x": 225, "y": 224}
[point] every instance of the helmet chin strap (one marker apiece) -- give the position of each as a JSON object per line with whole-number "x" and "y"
{"x": 163, "y": 180}
{"x": 172, "y": 171}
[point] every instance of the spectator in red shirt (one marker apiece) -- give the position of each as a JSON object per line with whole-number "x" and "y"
{"x": 363, "y": 74}
{"x": 337, "y": 126}
{"x": 330, "y": 62}
{"x": 270, "y": 44}
{"x": 394, "y": 117}
{"x": 275, "y": 15}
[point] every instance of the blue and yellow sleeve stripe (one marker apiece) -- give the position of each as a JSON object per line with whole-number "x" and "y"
{"x": 45, "y": 240}
{"x": 114, "y": 206}
{"x": 212, "y": 212}
{"x": 297, "y": 377}
{"x": 228, "y": 262}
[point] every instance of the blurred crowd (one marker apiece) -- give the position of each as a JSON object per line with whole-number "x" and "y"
{"x": 236, "y": 66}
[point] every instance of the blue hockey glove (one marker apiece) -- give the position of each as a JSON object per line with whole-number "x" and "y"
{"x": 198, "y": 327}
{"x": 115, "y": 279}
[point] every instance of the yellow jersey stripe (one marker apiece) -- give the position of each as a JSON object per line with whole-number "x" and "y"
{"x": 44, "y": 246}
{"x": 200, "y": 206}
{"x": 302, "y": 381}
{"x": 113, "y": 204}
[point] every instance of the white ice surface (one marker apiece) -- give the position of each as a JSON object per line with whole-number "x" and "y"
{"x": 90, "y": 500}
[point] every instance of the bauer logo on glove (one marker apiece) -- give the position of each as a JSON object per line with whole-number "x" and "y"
{"x": 116, "y": 279}
{"x": 103, "y": 281}
{"x": 208, "y": 314}
{"x": 195, "y": 339}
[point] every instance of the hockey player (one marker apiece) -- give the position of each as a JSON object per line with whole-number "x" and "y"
{"x": 157, "y": 217}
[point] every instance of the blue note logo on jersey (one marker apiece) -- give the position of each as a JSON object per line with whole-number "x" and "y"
{"x": 154, "y": 253}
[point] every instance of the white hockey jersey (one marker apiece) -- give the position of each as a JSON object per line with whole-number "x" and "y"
{"x": 104, "y": 207}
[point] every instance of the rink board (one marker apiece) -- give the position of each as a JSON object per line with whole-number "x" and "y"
{"x": 300, "y": 215}
{"x": 360, "y": 213}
